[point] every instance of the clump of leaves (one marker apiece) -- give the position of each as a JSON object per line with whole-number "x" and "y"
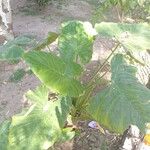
{"x": 123, "y": 102}
{"x": 13, "y": 50}
{"x": 17, "y": 75}
{"x": 124, "y": 9}
{"x": 45, "y": 2}
{"x": 42, "y": 2}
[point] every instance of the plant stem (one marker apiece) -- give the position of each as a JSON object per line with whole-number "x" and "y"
{"x": 86, "y": 96}
{"x": 100, "y": 67}
{"x": 135, "y": 59}
{"x": 82, "y": 101}
{"x": 122, "y": 11}
{"x": 122, "y": 16}
{"x": 118, "y": 13}
{"x": 101, "y": 76}
{"x": 130, "y": 55}
{"x": 48, "y": 48}
{"x": 76, "y": 59}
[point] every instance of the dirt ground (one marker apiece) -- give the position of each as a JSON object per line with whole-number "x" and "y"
{"x": 28, "y": 19}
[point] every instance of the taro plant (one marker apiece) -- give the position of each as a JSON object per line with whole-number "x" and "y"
{"x": 13, "y": 50}
{"x": 62, "y": 98}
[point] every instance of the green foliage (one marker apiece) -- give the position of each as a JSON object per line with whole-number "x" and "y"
{"x": 13, "y": 50}
{"x": 45, "y": 2}
{"x": 42, "y": 2}
{"x": 22, "y": 41}
{"x": 42, "y": 124}
{"x": 136, "y": 9}
{"x": 124, "y": 102}
{"x": 50, "y": 39}
{"x": 142, "y": 10}
{"x": 4, "y": 132}
{"x": 55, "y": 72}
{"x": 17, "y": 75}
{"x": 132, "y": 36}
{"x": 11, "y": 53}
{"x": 76, "y": 41}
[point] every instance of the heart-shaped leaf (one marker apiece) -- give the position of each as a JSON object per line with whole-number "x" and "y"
{"x": 76, "y": 41}
{"x": 42, "y": 125}
{"x": 22, "y": 41}
{"x": 14, "y": 49}
{"x": 56, "y": 74}
{"x": 124, "y": 102}
{"x": 11, "y": 53}
{"x": 132, "y": 36}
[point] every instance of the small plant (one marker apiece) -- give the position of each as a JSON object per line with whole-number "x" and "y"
{"x": 17, "y": 75}
{"x": 124, "y": 9}
{"x": 45, "y": 2}
{"x": 42, "y": 2}
{"x": 63, "y": 99}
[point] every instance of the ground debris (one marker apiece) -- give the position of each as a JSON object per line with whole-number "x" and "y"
{"x": 133, "y": 139}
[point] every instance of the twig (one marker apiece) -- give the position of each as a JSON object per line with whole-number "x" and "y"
{"x": 135, "y": 59}
{"x": 129, "y": 53}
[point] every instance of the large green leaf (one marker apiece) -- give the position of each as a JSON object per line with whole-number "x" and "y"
{"x": 4, "y": 131}
{"x": 132, "y": 36}
{"x": 14, "y": 49}
{"x": 124, "y": 102}
{"x": 42, "y": 125}
{"x": 11, "y": 53}
{"x": 22, "y": 41}
{"x": 55, "y": 73}
{"x": 76, "y": 41}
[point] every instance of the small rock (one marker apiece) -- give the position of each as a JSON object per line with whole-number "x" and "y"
{"x": 134, "y": 131}
{"x": 92, "y": 124}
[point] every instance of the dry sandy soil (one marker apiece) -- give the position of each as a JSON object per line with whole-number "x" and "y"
{"x": 28, "y": 19}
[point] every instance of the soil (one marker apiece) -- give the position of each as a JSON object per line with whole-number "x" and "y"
{"x": 28, "y": 19}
